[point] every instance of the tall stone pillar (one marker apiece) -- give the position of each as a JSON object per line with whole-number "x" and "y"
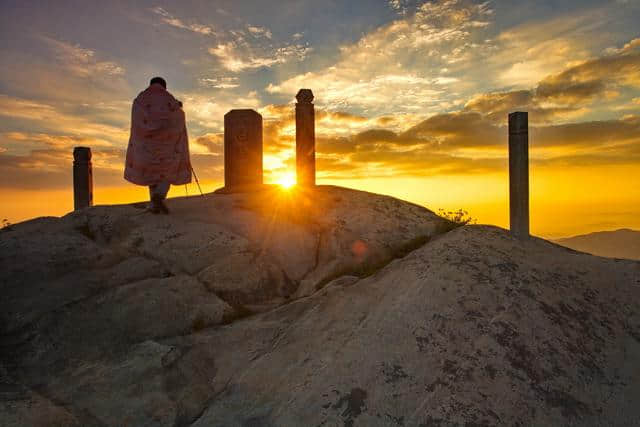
{"x": 519, "y": 174}
{"x": 82, "y": 178}
{"x": 305, "y": 139}
{"x": 242, "y": 150}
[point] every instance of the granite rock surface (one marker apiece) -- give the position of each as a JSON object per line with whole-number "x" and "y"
{"x": 325, "y": 307}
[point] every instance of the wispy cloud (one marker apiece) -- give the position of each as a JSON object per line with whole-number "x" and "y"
{"x": 220, "y": 82}
{"x": 380, "y": 70}
{"x": 400, "y": 6}
{"x": 169, "y": 19}
{"x": 535, "y": 48}
{"x": 82, "y": 61}
{"x": 38, "y": 140}
{"x": 239, "y": 55}
{"x": 207, "y": 112}
{"x": 259, "y": 31}
{"x": 52, "y": 118}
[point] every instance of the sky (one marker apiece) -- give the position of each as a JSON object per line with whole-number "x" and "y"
{"x": 411, "y": 98}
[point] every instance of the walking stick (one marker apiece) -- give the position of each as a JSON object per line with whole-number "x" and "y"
{"x": 197, "y": 182}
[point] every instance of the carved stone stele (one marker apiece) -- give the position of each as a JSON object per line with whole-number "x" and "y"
{"x": 242, "y": 149}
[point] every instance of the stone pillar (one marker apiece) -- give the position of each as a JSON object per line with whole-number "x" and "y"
{"x": 519, "y": 174}
{"x": 82, "y": 178}
{"x": 242, "y": 149}
{"x": 305, "y": 139}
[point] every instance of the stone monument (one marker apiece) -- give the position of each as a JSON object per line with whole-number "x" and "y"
{"x": 305, "y": 139}
{"x": 519, "y": 174}
{"x": 82, "y": 178}
{"x": 242, "y": 150}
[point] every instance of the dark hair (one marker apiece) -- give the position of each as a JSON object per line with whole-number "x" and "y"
{"x": 159, "y": 80}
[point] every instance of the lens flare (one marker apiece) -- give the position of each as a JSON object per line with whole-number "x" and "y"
{"x": 287, "y": 181}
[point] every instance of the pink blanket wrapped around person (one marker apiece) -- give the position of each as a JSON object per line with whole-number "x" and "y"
{"x": 158, "y": 146}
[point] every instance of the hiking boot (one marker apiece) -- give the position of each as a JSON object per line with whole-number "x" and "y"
{"x": 158, "y": 206}
{"x": 153, "y": 208}
{"x": 163, "y": 208}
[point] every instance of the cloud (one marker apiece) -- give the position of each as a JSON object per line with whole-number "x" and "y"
{"x": 51, "y": 168}
{"x": 528, "y": 52}
{"x": 569, "y": 93}
{"x": 81, "y": 61}
{"x": 48, "y": 117}
{"x": 632, "y": 46}
{"x": 259, "y": 31}
{"x": 207, "y": 112}
{"x": 464, "y": 142}
{"x": 22, "y": 141}
{"x": 481, "y": 147}
{"x": 220, "y": 82}
{"x": 400, "y": 6}
{"x": 497, "y": 105}
{"x": 399, "y": 66}
{"x": 209, "y": 143}
{"x": 239, "y": 55}
{"x": 597, "y": 136}
{"x": 169, "y": 19}
{"x": 596, "y": 77}
{"x": 64, "y": 74}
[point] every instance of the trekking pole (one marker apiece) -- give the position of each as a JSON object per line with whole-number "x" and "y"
{"x": 197, "y": 182}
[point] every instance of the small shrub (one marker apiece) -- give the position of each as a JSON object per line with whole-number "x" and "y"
{"x": 457, "y": 218}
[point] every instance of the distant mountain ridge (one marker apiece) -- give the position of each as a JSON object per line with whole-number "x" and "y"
{"x": 622, "y": 243}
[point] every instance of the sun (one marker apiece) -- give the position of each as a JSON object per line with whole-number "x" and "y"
{"x": 287, "y": 181}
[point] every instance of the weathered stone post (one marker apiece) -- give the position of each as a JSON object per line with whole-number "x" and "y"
{"x": 305, "y": 139}
{"x": 82, "y": 178}
{"x": 242, "y": 150}
{"x": 519, "y": 174}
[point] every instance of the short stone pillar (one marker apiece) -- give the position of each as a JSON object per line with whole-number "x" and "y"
{"x": 242, "y": 150}
{"x": 82, "y": 178}
{"x": 519, "y": 174}
{"x": 305, "y": 139}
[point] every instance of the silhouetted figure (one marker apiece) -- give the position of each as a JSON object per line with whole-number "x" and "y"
{"x": 158, "y": 151}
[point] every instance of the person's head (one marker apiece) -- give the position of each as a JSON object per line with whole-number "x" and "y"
{"x": 158, "y": 80}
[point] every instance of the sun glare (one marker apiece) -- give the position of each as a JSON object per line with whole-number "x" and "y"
{"x": 287, "y": 181}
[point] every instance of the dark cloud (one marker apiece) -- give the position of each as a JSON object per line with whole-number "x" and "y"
{"x": 435, "y": 146}
{"x": 568, "y": 93}
{"x": 456, "y": 130}
{"x": 52, "y": 168}
{"x": 335, "y": 145}
{"x": 470, "y": 141}
{"x": 584, "y": 82}
{"x": 339, "y": 116}
{"x": 373, "y": 136}
{"x": 589, "y": 134}
{"x": 212, "y": 142}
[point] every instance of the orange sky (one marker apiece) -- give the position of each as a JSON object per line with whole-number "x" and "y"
{"x": 563, "y": 203}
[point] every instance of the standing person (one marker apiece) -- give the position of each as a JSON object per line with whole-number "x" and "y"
{"x": 158, "y": 150}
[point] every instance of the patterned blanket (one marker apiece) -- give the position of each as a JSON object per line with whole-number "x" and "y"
{"x": 158, "y": 147}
